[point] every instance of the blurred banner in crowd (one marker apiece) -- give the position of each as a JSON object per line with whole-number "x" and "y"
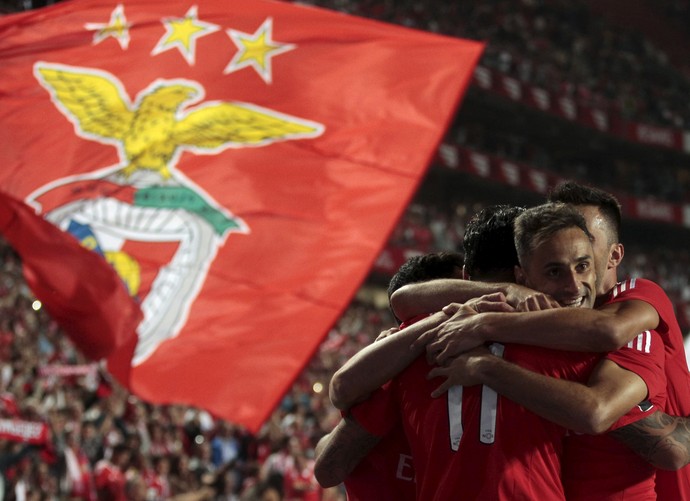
{"x": 239, "y": 164}
{"x": 23, "y": 431}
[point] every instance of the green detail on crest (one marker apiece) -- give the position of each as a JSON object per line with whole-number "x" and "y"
{"x": 179, "y": 197}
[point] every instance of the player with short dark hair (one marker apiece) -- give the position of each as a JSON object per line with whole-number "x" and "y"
{"x": 379, "y": 469}
{"x": 426, "y": 267}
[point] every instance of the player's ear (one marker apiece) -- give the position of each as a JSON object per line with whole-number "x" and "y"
{"x": 519, "y": 275}
{"x": 616, "y": 254}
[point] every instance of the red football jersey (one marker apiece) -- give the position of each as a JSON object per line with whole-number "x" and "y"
{"x": 471, "y": 440}
{"x": 602, "y": 465}
{"x": 671, "y": 485}
{"x": 386, "y": 472}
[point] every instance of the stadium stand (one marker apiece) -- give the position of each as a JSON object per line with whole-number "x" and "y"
{"x": 562, "y": 92}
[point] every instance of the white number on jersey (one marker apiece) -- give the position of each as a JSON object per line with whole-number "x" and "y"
{"x": 487, "y": 417}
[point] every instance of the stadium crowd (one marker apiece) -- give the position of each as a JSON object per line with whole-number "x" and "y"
{"x": 82, "y": 436}
{"x": 557, "y": 45}
{"x": 564, "y": 48}
{"x": 638, "y": 176}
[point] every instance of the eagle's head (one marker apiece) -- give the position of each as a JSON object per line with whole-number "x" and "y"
{"x": 171, "y": 97}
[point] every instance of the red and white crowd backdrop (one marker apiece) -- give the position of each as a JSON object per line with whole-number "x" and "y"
{"x": 570, "y": 108}
{"x": 527, "y": 177}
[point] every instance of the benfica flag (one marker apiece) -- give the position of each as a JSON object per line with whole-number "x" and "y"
{"x": 239, "y": 164}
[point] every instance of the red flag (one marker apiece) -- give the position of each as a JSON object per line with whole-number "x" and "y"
{"x": 239, "y": 163}
{"x": 79, "y": 290}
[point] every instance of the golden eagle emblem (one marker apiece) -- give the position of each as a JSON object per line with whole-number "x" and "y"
{"x": 151, "y": 132}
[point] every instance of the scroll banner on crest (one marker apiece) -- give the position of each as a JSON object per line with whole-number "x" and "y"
{"x": 239, "y": 164}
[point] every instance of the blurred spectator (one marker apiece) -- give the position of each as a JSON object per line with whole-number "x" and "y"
{"x": 110, "y": 474}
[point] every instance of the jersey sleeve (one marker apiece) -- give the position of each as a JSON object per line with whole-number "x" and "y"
{"x": 644, "y": 356}
{"x": 379, "y": 413}
{"x": 649, "y": 292}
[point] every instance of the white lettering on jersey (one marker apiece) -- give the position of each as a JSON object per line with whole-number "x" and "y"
{"x": 405, "y": 470}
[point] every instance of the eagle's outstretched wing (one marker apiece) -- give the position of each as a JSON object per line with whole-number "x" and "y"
{"x": 94, "y": 104}
{"x": 224, "y": 124}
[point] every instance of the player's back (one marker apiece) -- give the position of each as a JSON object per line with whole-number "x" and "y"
{"x": 472, "y": 444}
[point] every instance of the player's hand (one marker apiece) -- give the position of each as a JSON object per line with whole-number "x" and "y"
{"x": 454, "y": 311}
{"x": 462, "y": 331}
{"x": 386, "y": 333}
{"x": 452, "y": 337}
{"x": 515, "y": 294}
{"x": 537, "y": 302}
{"x": 482, "y": 304}
{"x": 459, "y": 370}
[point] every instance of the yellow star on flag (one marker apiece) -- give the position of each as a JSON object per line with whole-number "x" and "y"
{"x": 182, "y": 34}
{"x": 117, "y": 28}
{"x": 256, "y": 50}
